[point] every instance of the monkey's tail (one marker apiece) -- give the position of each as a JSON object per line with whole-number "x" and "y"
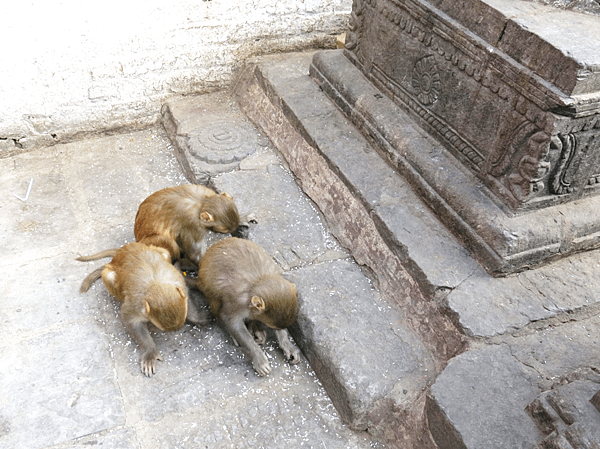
{"x": 100, "y": 255}
{"x": 90, "y": 279}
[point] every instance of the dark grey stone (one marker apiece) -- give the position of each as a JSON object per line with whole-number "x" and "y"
{"x": 510, "y": 89}
{"x": 566, "y": 415}
{"x": 288, "y": 225}
{"x": 359, "y": 345}
{"x": 502, "y": 242}
{"x": 479, "y": 401}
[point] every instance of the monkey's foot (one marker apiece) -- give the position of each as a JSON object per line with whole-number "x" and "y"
{"x": 149, "y": 359}
{"x": 293, "y": 356}
{"x": 291, "y": 352}
{"x": 257, "y": 331}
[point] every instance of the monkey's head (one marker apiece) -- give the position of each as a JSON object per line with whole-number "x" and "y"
{"x": 219, "y": 213}
{"x": 166, "y": 307}
{"x": 274, "y": 302}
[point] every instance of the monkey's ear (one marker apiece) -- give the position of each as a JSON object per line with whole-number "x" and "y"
{"x": 146, "y": 309}
{"x": 205, "y": 216}
{"x": 258, "y": 303}
{"x": 227, "y": 195}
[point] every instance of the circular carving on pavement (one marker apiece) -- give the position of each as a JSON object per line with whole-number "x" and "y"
{"x": 426, "y": 80}
{"x": 223, "y": 142}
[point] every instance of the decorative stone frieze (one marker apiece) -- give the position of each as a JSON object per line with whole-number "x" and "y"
{"x": 511, "y": 88}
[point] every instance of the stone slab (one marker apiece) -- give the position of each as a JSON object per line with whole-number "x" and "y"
{"x": 533, "y": 330}
{"x": 281, "y": 209}
{"x": 368, "y": 359}
{"x": 482, "y": 306}
{"x": 479, "y": 401}
{"x": 59, "y": 380}
{"x": 399, "y": 214}
{"x": 535, "y": 34}
{"x": 483, "y": 398}
{"x": 208, "y": 138}
{"x": 486, "y": 307}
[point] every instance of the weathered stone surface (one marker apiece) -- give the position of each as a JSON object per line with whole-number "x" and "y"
{"x": 354, "y": 222}
{"x": 566, "y": 414}
{"x": 526, "y": 342}
{"x": 486, "y": 307}
{"x": 209, "y": 139}
{"x": 123, "y": 438}
{"x": 46, "y": 385}
{"x": 479, "y": 401}
{"x": 504, "y": 103}
{"x": 280, "y": 209}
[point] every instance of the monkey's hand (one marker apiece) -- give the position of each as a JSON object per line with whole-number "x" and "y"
{"x": 291, "y": 352}
{"x": 149, "y": 359}
{"x": 261, "y": 363}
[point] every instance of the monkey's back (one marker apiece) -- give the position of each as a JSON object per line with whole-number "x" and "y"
{"x": 167, "y": 210}
{"x": 231, "y": 266}
{"x": 137, "y": 266}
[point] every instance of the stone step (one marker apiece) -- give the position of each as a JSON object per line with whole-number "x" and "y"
{"x": 372, "y": 363}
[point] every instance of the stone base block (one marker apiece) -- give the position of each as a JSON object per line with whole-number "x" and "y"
{"x": 502, "y": 241}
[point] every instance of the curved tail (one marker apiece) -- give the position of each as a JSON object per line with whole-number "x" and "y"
{"x": 90, "y": 279}
{"x": 100, "y": 255}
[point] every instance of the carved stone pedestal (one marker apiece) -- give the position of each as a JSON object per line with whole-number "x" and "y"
{"x": 511, "y": 89}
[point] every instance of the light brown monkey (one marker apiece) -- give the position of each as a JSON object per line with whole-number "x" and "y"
{"x": 151, "y": 290}
{"x": 243, "y": 285}
{"x": 179, "y": 218}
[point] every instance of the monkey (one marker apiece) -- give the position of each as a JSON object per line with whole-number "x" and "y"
{"x": 151, "y": 289}
{"x": 179, "y": 218}
{"x": 244, "y": 287}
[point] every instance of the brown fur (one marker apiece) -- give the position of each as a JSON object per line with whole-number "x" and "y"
{"x": 179, "y": 218}
{"x": 151, "y": 290}
{"x": 242, "y": 284}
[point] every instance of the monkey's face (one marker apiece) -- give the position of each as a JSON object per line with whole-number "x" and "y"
{"x": 220, "y": 214}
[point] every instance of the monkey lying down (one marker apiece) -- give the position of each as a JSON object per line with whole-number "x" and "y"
{"x": 244, "y": 287}
{"x": 151, "y": 290}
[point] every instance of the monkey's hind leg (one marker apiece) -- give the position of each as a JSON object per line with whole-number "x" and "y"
{"x": 90, "y": 279}
{"x": 238, "y": 330}
{"x": 292, "y": 353}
